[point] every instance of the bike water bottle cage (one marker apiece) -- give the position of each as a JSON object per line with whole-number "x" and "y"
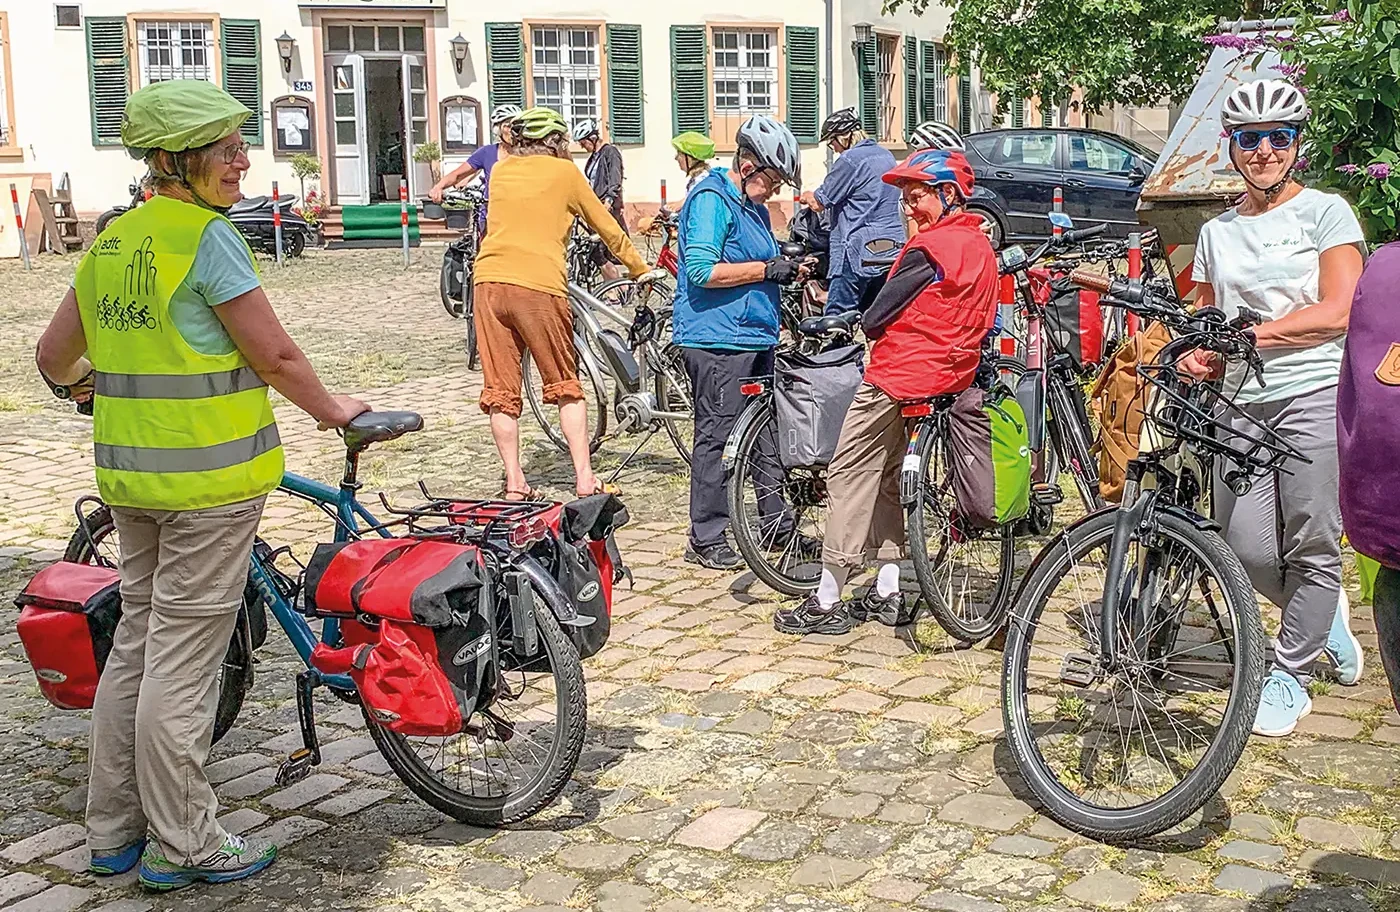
{"x": 1279, "y": 138}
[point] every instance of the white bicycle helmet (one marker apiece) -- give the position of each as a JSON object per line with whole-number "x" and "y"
{"x": 934, "y": 135}
{"x": 503, "y": 113}
{"x": 585, "y": 128}
{"x": 773, "y": 145}
{"x": 1265, "y": 101}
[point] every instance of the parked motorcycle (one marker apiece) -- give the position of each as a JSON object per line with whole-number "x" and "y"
{"x": 252, "y": 216}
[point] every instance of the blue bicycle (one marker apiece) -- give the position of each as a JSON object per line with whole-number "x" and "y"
{"x": 516, "y": 753}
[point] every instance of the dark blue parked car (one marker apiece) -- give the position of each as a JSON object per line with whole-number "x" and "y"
{"x": 1018, "y": 170}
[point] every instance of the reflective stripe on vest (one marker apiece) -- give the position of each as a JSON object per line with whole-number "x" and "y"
{"x": 176, "y": 386}
{"x": 190, "y": 459}
{"x": 173, "y": 428}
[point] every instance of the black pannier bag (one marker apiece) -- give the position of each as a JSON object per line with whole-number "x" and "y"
{"x": 811, "y": 394}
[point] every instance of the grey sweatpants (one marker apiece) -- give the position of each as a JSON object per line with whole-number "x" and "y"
{"x": 1287, "y": 530}
{"x": 182, "y": 578}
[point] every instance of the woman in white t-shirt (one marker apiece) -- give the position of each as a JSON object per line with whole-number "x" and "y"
{"x": 1293, "y": 254}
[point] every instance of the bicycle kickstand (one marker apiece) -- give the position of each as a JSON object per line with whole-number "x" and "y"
{"x": 632, "y": 455}
{"x": 297, "y": 766}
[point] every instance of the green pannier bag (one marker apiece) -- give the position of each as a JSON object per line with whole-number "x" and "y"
{"x": 991, "y": 457}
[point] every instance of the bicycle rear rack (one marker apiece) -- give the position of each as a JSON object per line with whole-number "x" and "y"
{"x": 474, "y": 519}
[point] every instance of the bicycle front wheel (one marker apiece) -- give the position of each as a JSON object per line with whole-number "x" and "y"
{"x": 1132, "y": 749}
{"x": 594, "y": 391}
{"x": 776, "y": 515}
{"x": 964, "y": 572}
{"x": 1075, "y": 437}
{"x": 518, "y": 752}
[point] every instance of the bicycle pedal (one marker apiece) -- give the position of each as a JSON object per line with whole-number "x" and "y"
{"x": 1079, "y": 669}
{"x": 296, "y": 767}
{"x": 1047, "y": 495}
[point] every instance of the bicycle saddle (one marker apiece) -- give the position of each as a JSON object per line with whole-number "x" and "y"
{"x": 820, "y": 326}
{"x": 376, "y": 427}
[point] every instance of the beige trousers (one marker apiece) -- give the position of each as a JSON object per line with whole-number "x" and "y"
{"x": 182, "y": 578}
{"x": 866, "y": 520}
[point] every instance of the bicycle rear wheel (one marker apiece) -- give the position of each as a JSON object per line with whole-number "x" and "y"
{"x": 673, "y": 394}
{"x": 1074, "y": 437}
{"x": 595, "y": 393}
{"x": 235, "y": 673}
{"x": 777, "y": 516}
{"x": 964, "y": 573}
{"x": 1127, "y": 751}
{"x": 521, "y": 749}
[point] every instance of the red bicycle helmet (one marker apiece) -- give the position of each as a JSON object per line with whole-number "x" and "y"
{"x": 934, "y": 167}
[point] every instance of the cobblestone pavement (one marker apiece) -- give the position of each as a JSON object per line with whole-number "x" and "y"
{"x": 727, "y": 767}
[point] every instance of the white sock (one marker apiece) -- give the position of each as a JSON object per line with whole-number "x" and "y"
{"x": 829, "y": 589}
{"x": 887, "y": 581}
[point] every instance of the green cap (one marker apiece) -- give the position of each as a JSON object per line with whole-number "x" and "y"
{"x": 538, "y": 123}
{"x": 696, "y": 145}
{"x": 179, "y": 114}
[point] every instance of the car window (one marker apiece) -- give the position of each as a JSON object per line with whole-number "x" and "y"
{"x": 1033, "y": 150}
{"x": 1092, "y": 153}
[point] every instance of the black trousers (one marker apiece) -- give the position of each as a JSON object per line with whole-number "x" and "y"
{"x": 1385, "y": 605}
{"x": 715, "y": 375}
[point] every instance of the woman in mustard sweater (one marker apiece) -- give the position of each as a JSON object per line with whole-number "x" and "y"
{"x": 520, "y": 286}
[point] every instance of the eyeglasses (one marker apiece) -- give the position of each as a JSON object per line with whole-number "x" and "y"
{"x": 1279, "y": 138}
{"x": 230, "y": 153}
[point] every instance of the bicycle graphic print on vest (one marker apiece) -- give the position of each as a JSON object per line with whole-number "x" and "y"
{"x": 173, "y": 428}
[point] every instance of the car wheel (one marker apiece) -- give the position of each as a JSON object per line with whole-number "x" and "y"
{"x": 994, "y": 230}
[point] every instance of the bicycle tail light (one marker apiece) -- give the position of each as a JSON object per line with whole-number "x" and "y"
{"x": 750, "y": 389}
{"x": 916, "y": 410}
{"x": 527, "y": 531}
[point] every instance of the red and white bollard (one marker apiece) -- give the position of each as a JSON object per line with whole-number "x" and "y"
{"x": 277, "y": 223}
{"x": 1058, "y": 205}
{"x": 663, "y": 193}
{"x": 403, "y": 217}
{"x": 19, "y": 225}
{"x": 1006, "y": 306}
{"x": 1134, "y": 272}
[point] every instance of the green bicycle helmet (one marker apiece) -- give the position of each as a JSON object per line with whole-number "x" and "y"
{"x": 697, "y": 145}
{"x": 179, "y": 115}
{"x": 540, "y": 123}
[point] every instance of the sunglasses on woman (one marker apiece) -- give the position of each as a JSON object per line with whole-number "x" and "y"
{"x": 1279, "y": 138}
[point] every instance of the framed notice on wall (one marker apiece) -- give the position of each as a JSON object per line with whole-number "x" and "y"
{"x": 293, "y": 125}
{"x": 462, "y": 129}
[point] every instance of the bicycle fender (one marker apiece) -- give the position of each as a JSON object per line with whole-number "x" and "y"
{"x": 563, "y": 609}
{"x": 757, "y": 406}
{"x": 915, "y": 462}
{"x": 1125, "y": 525}
{"x": 1204, "y": 523}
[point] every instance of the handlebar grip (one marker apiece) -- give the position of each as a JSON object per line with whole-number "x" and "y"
{"x": 1088, "y": 278}
{"x": 1083, "y": 234}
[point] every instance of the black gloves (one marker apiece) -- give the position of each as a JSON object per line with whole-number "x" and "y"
{"x": 780, "y": 270}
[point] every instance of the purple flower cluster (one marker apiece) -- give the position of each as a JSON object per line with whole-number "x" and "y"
{"x": 1341, "y": 16}
{"x": 1349, "y": 169}
{"x": 1302, "y": 163}
{"x": 1235, "y": 42}
{"x": 1380, "y": 170}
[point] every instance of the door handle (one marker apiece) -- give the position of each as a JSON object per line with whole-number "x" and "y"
{"x": 1075, "y": 182}
{"x": 1004, "y": 175}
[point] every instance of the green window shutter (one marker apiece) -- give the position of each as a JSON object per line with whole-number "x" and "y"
{"x": 803, "y": 83}
{"x": 505, "y": 64}
{"x": 964, "y": 105}
{"x": 239, "y": 40}
{"x": 690, "y": 81}
{"x": 933, "y": 82}
{"x": 869, "y": 89}
{"x": 626, "y": 123}
{"x": 108, "y": 81}
{"x": 1018, "y": 111}
{"x": 1047, "y": 116}
{"x": 911, "y": 84}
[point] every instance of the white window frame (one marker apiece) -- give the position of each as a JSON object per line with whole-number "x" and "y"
{"x": 183, "y": 45}
{"x": 748, "y": 70}
{"x": 940, "y": 83}
{"x": 577, "y": 67}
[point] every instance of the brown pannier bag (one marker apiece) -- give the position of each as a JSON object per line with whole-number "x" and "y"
{"x": 1120, "y": 400}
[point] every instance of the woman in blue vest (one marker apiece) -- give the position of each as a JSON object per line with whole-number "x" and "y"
{"x": 862, "y": 209}
{"x": 726, "y": 310}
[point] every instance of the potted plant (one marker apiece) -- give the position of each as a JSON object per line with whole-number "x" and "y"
{"x": 305, "y": 165}
{"x": 391, "y": 165}
{"x": 313, "y": 210}
{"x": 429, "y": 153}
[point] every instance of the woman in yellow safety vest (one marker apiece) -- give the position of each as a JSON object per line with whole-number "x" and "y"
{"x": 168, "y": 329}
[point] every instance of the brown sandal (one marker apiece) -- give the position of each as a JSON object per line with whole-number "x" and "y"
{"x": 602, "y": 487}
{"x": 526, "y": 496}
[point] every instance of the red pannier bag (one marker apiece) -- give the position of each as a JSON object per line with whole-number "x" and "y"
{"x": 586, "y": 562}
{"x": 68, "y": 616}
{"x": 1074, "y": 320}
{"x": 418, "y": 627}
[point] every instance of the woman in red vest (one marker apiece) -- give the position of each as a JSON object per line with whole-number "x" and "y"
{"x": 928, "y": 322}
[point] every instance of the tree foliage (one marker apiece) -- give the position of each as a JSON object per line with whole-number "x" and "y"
{"x": 1132, "y": 52}
{"x": 1348, "y": 63}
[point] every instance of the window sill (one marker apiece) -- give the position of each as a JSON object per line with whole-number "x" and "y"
{"x": 11, "y": 153}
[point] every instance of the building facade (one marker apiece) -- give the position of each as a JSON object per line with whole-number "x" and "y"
{"x": 362, "y": 84}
